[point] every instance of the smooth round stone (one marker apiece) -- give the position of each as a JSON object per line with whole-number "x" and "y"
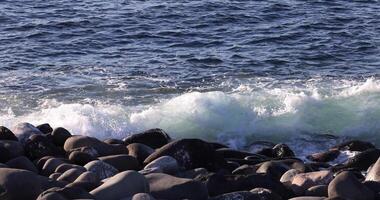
{"x": 81, "y": 158}
{"x": 141, "y": 196}
{"x": 45, "y": 128}
{"x": 11, "y": 148}
{"x": 167, "y": 164}
{"x": 101, "y": 169}
{"x": 50, "y": 166}
{"x": 90, "y": 177}
{"x": 62, "y": 168}
{"x": 288, "y": 176}
{"x": 19, "y": 184}
{"x": 154, "y": 138}
{"x": 60, "y": 135}
{"x": 71, "y": 174}
{"x": 122, "y": 162}
{"x": 317, "y": 191}
{"x": 374, "y": 172}
{"x": 303, "y": 181}
{"x": 22, "y": 162}
{"x": 164, "y": 186}
{"x": 346, "y": 185}
{"x": 68, "y": 193}
{"x": 308, "y": 198}
{"x": 6, "y": 134}
{"x": 139, "y": 151}
{"x": 55, "y": 175}
{"x": 122, "y": 185}
{"x": 24, "y": 130}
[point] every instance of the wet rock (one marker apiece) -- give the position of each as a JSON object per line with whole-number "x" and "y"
{"x": 374, "y": 172}
{"x": 141, "y": 196}
{"x": 275, "y": 169}
{"x": 361, "y": 161}
{"x": 55, "y": 175}
{"x": 288, "y": 176}
{"x": 10, "y": 149}
{"x": 354, "y": 145}
{"x": 308, "y": 198}
{"x": 122, "y": 185}
{"x": 265, "y": 194}
{"x": 22, "y": 162}
{"x": 218, "y": 184}
{"x": 192, "y": 173}
{"x": 67, "y": 193}
{"x": 154, "y": 138}
{"x": 60, "y": 135}
{"x": 282, "y": 151}
{"x": 345, "y": 185}
{"x": 240, "y": 195}
{"x": 76, "y": 142}
{"x": 317, "y": 191}
{"x": 19, "y": 184}
{"x": 81, "y": 158}
{"x": 101, "y": 169}
{"x": 24, "y": 130}
{"x": 71, "y": 174}
{"x": 190, "y": 154}
{"x": 66, "y": 166}
{"x": 301, "y": 182}
{"x": 45, "y": 128}
{"x": 90, "y": 177}
{"x": 245, "y": 170}
{"x": 39, "y": 146}
{"x": 84, "y": 185}
{"x": 6, "y": 134}
{"x": 166, "y": 164}
{"x": 122, "y": 162}
{"x": 164, "y": 186}
{"x": 139, "y": 151}
{"x": 51, "y": 196}
{"x": 324, "y": 156}
{"x": 231, "y": 153}
{"x": 113, "y": 141}
{"x": 50, "y": 165}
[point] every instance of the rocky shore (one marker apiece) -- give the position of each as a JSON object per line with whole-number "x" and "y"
{"x": 39, "y": 162}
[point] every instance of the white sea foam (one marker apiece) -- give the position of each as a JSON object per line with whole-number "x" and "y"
{"x": 351, "y": 109}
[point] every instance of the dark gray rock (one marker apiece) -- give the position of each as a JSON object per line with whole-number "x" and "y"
{"x": 139, "y": 151}
{"x": 122, "y": 162}
{"x": 6, "y": 134}
{"x": 22, "y": 162}
{"x": 60, "y": 135}
{"x": 154, "y": 138}
{"x": 122, "y": 185}
{"x": 24, "y": 130}
{"x": 164, "y": 186}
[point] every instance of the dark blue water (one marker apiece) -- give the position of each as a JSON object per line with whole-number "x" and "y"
{"x": 127, "y": 65}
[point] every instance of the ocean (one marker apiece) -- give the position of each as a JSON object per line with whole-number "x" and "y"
{"x": 232, "y": 71}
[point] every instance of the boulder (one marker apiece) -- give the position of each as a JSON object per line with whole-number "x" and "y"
{"x": 275, "y": 169}
{"x": 19, "y": 184}
{"x": 38, "y": 146}
{"x": 122, "y": 162}
{"x": 240, "y": 195}
{"x": 24, "y": 130}
{"x": 102, "y": 149}
{"x": 22, "y": 162}
{"x": 282, "y": 151}
{"x": 6, "y": 134}
{"x": 164, "y": 186}
{"x": 303, "y": 181}
{"x": 67, "y": 193}
{"x": 66, "y": 166}
{"x": 113, "y": 141}
{"x": 154, "y": 138}
{"x": 50, "y": 165}
{"x": 190, "y": 154}
{"x": 362, "y": 161}
{"x": 308, "y": 198}
{"x": 139, "y": 151}
{"x": 60, "y": 135}
{"x": 345, "y": 185}
{"x": 122, "y": 185}
{"x": 45, "y": 128}
{"x": 101, "y": 169}
{"x": 141, "y": 196}
{"x": 55, "y": 175}
{"x": 354, "y": 145}
{"x": 90, "y": 177}
{"x": 324, "y": 156}
{"x": 317, "y": 191}
{"x": 288, "y": 176}
{"x": 245, "y": 170}
{"x": 374, "y": 172}
{"x": 265, "y": 194}
{"x": 51, "y": 196}
{"x": 71, "y": 174}
{"x": 166, "y": 164}
{"x": 218, "y": 184}
{"x": 81, "y": 158}
{"x": 10, "y": 149}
